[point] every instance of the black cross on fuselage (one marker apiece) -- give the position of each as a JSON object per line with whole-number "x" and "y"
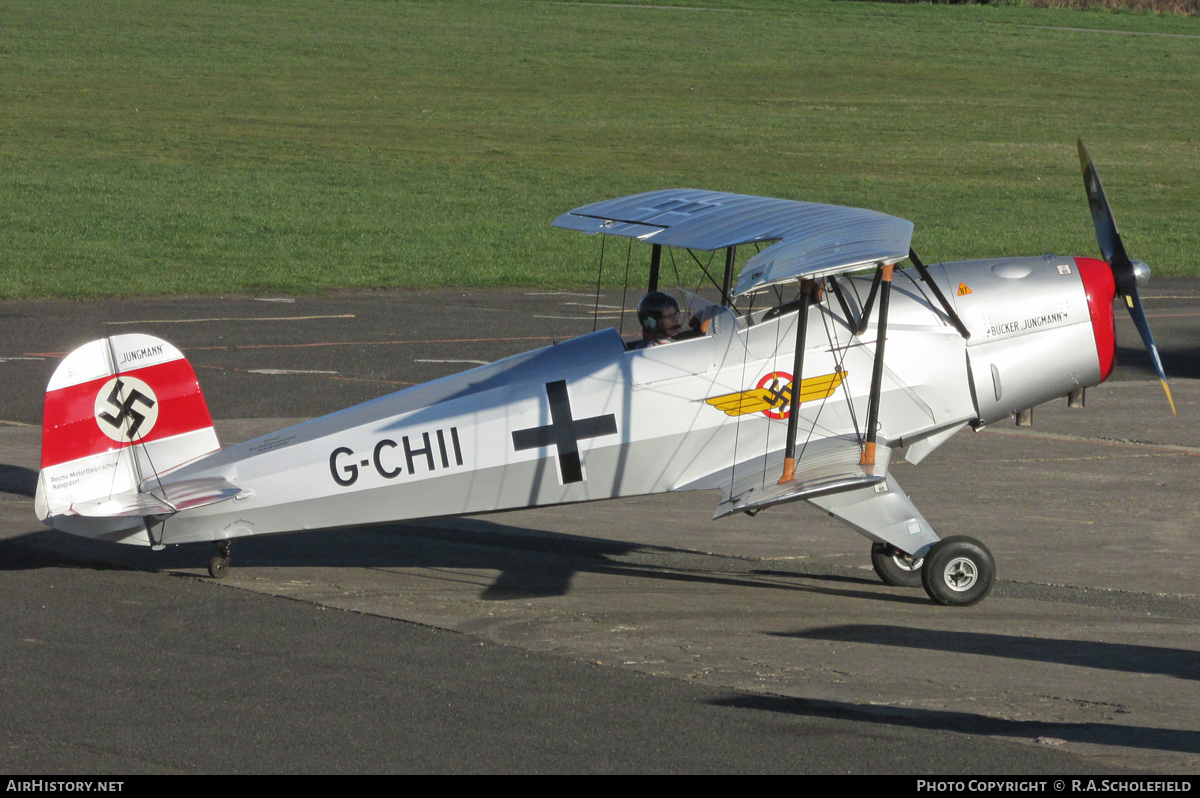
{"x": 564, "y": 432}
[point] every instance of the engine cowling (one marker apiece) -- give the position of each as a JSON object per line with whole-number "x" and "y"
{"x": 1040, "y": 328}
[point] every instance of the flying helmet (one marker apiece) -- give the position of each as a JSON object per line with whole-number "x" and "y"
{"x": 651, "y": 310}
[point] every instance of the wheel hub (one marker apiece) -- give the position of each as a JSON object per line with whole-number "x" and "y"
{"x": 961, "y": 574}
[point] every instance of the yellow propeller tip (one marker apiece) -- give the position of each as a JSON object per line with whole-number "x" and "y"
{"x": 1169, "y": 399}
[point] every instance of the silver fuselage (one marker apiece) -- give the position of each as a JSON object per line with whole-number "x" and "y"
{"x": 501, "y": 436}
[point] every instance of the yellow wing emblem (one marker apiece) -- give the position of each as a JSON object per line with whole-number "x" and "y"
{"x": 776, "y": 395}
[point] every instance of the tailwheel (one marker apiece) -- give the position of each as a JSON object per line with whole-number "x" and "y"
{"x": 958, "y": 571}
{"x": 895, "y": 567}
{"x": 218, "y": 566}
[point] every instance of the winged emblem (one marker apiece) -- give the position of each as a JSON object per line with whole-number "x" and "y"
{"x": 773, "y": 394}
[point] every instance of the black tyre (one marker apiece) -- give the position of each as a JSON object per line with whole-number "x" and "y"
{"x": 218, "y": 567}
{"x": 958, "y": 571}
{"x": 895, "y": 567}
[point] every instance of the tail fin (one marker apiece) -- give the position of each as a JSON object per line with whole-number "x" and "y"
{"x": 119, "y": 411}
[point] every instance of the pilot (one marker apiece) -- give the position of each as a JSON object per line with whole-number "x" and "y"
{"x": 658, "y": 315}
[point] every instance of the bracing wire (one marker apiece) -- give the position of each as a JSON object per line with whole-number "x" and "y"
{"x": 917, "y": 285}
{"x": 839, "y": 360}
{"x": 675, "y": 267}
{"x": 679, "y": 277}
{"x": 712, "y": 254}
{"x": 133, "y": 445}
{"x": 839, "y": 364}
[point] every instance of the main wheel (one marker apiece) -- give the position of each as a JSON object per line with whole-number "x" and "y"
{"x": 958, "y": 571}
{"x": 895, "y": 567}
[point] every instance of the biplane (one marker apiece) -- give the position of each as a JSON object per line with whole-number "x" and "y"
{"x": 820, "y": 361}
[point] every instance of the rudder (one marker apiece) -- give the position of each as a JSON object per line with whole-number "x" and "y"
{"x": 119, "y": 411}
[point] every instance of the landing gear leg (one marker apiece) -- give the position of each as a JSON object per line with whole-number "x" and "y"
{"x": 218, "y": 566}
{"x": 895, "y": 567}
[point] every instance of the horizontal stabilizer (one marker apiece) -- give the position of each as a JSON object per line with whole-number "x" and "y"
{"x": 164, "y": 500}
{"x": 824, "y": 467}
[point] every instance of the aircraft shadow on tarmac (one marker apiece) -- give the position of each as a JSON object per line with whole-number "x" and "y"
{"x": 18, "y": 480}
{"x": 1180, "y": 663}
{"x": 1143, "y": 737}
{"x": 531, "y": 563}
{"x": 1183, "y": 363}
{"x": 1177, "y": 363}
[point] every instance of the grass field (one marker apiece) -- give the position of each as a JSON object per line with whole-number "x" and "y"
{"x": 154, "y": 147}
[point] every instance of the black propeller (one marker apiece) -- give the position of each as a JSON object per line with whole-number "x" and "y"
{"x": 1126, "y": 272}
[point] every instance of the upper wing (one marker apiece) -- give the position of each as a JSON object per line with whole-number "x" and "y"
{"x": 813, "y": 240}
